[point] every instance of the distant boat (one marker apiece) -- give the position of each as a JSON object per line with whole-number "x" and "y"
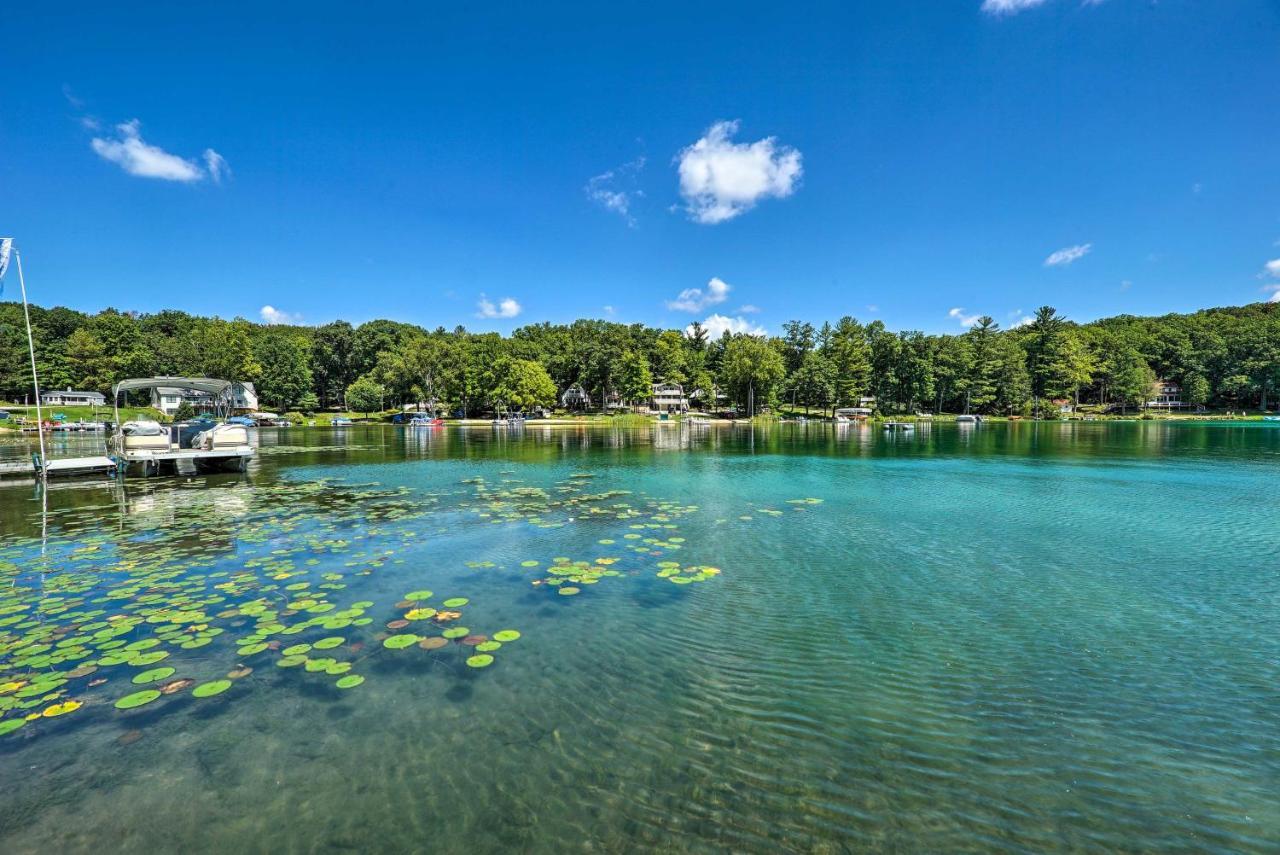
{"x": 341, "y": 421}
{"x": 424, "y": 421}
{"x": 1271, "y": 418}
{"x": 968, "y": 420}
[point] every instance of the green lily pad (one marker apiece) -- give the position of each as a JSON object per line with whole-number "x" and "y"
{"x": 505, "y": 635}
{"x": 480, "y": 660}
{"x": 9, "y": 725}
{"x": 250, "y": 649}
{"x": 152, "y": 675}
{"x": 329, "y": 643}
{"x": 488, "y": 646}
{"x": 455, "y": 602}
{"x": 296, "y": 649}
{"x": 456, "y": 632}
{"x": 400, "y": 642}
{"x": 211, "y": 688}
{"x": 349, "y": 682}
{"x": 412, "y": 595}
{"x": 290, "y": 661}
{"x": 137, "y": 699}
{"x": 568, "y": 590}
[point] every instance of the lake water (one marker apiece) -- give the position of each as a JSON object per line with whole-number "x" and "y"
{"x": 1014, "y": 638}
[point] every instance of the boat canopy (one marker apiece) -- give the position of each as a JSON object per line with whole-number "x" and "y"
{"x": 207, "y": 385}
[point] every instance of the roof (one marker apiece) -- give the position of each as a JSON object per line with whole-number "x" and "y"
{"x": 200, "y": 384}
{"x": 69, "y": 392}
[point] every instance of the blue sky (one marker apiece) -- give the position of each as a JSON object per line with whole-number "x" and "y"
{"x": 914, "y": 162}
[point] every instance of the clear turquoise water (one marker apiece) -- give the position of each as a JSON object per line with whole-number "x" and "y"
{"x": 1017, "y": 638}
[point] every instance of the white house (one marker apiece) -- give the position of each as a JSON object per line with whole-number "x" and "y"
{"x": 669, "y": 398}
{"x": 167, "y": 399}
{"x": 69, "y": 398}
{"x": 575, "y": 398}
{"x": 1166, "y": 395}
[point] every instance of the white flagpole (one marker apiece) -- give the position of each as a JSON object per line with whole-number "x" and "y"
{"x": 35, "y": 381}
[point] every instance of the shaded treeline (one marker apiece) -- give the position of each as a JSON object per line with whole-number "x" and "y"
{"x": 1220, "y": 357}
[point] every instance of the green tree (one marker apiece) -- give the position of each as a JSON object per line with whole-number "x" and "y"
{"x": 86, "y": 352}
{"x": 753, "y": 370}
{"x": 814, "y": 382}
{"x": 285, "y": 375}
{"x": 634, "y": 382}
{"x": 331, "y": 361}
{"x": 846, "y": 349}
{"x": 365, "y": 395}
{"x": 984, "y": 365}
{"x": 1132, "y": 379}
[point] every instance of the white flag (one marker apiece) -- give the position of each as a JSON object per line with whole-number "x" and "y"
{"x": 6, "y": 244}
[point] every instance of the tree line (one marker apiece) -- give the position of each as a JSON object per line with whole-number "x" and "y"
{"x": 1226, "y": 357}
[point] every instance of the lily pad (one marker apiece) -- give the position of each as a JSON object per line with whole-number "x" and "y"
{"x": 329, "y": 643}
{"x": 433, "y": 642}
{"x": 137, "y": 699}
{"x": 505, "y": 635}
{"x": 400, "y": 642}
{"x": 9, "y": 725}
{"x": 455, "y": 602}
{"x": 488, "y": 646}
{"x": 456, "y": 632}
{"x": 415, "y": 596}
{"x": 152, "y": 675}
{"x": 480, "y": 660}
{"x": 211, "y": 688}
{"x": 62, "y": 709}
{"x": 568, "y": 590}
{"x": 349, "y": 682}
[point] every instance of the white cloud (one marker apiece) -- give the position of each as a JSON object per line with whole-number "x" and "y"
{"x": 1009, "y": 7}
{"x": 615, "y": 190}
{"x": 716, "y": 325}
{"x": 1273, "y": 267}
{"x": 695, "y": 299}
{"x": 1275, "y": 293}
{"x": 610, "y": 311}
{"x": 720, "y": 179}
{"x": 130, "y": 152}
{"x": 506, "y": 308}
{"x": 965, "y": 319}
{"x": 1066, "y": 256}
{"x": 272, "y": 315}
{"x": 1018, "y": 319}
{"x": 217, "y": 165}
{"x": 749, "y": 309}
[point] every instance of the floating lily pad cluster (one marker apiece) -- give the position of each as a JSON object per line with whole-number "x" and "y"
{"x": 127, "y": 618}
{"x": 419, "y": 624}
{"x": 90, "y": 618}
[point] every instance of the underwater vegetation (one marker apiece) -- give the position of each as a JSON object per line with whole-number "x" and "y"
{"x": 110, "y": 622}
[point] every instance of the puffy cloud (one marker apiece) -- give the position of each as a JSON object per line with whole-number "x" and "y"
{"x": 965, "y": 319}
{"x": 1069, "y": 254}
{"x": 1009, "y": 7}
{"x": 614, "y": 190}
{"x": 128, "y": 150}
{"x": 720, "y": 179}
{"x": 1272, "y": 267}
{"x": 717, "y": 325}
{"x": 749, "y": 309}
{"x": 1275, "y": 293}
{"x": 695, "y": 299}
{"x": 507, "y": 307}
{"x": 272, "y": 315}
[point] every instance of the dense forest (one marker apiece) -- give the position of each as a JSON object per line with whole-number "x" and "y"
{"x": 1227, "y": 357}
